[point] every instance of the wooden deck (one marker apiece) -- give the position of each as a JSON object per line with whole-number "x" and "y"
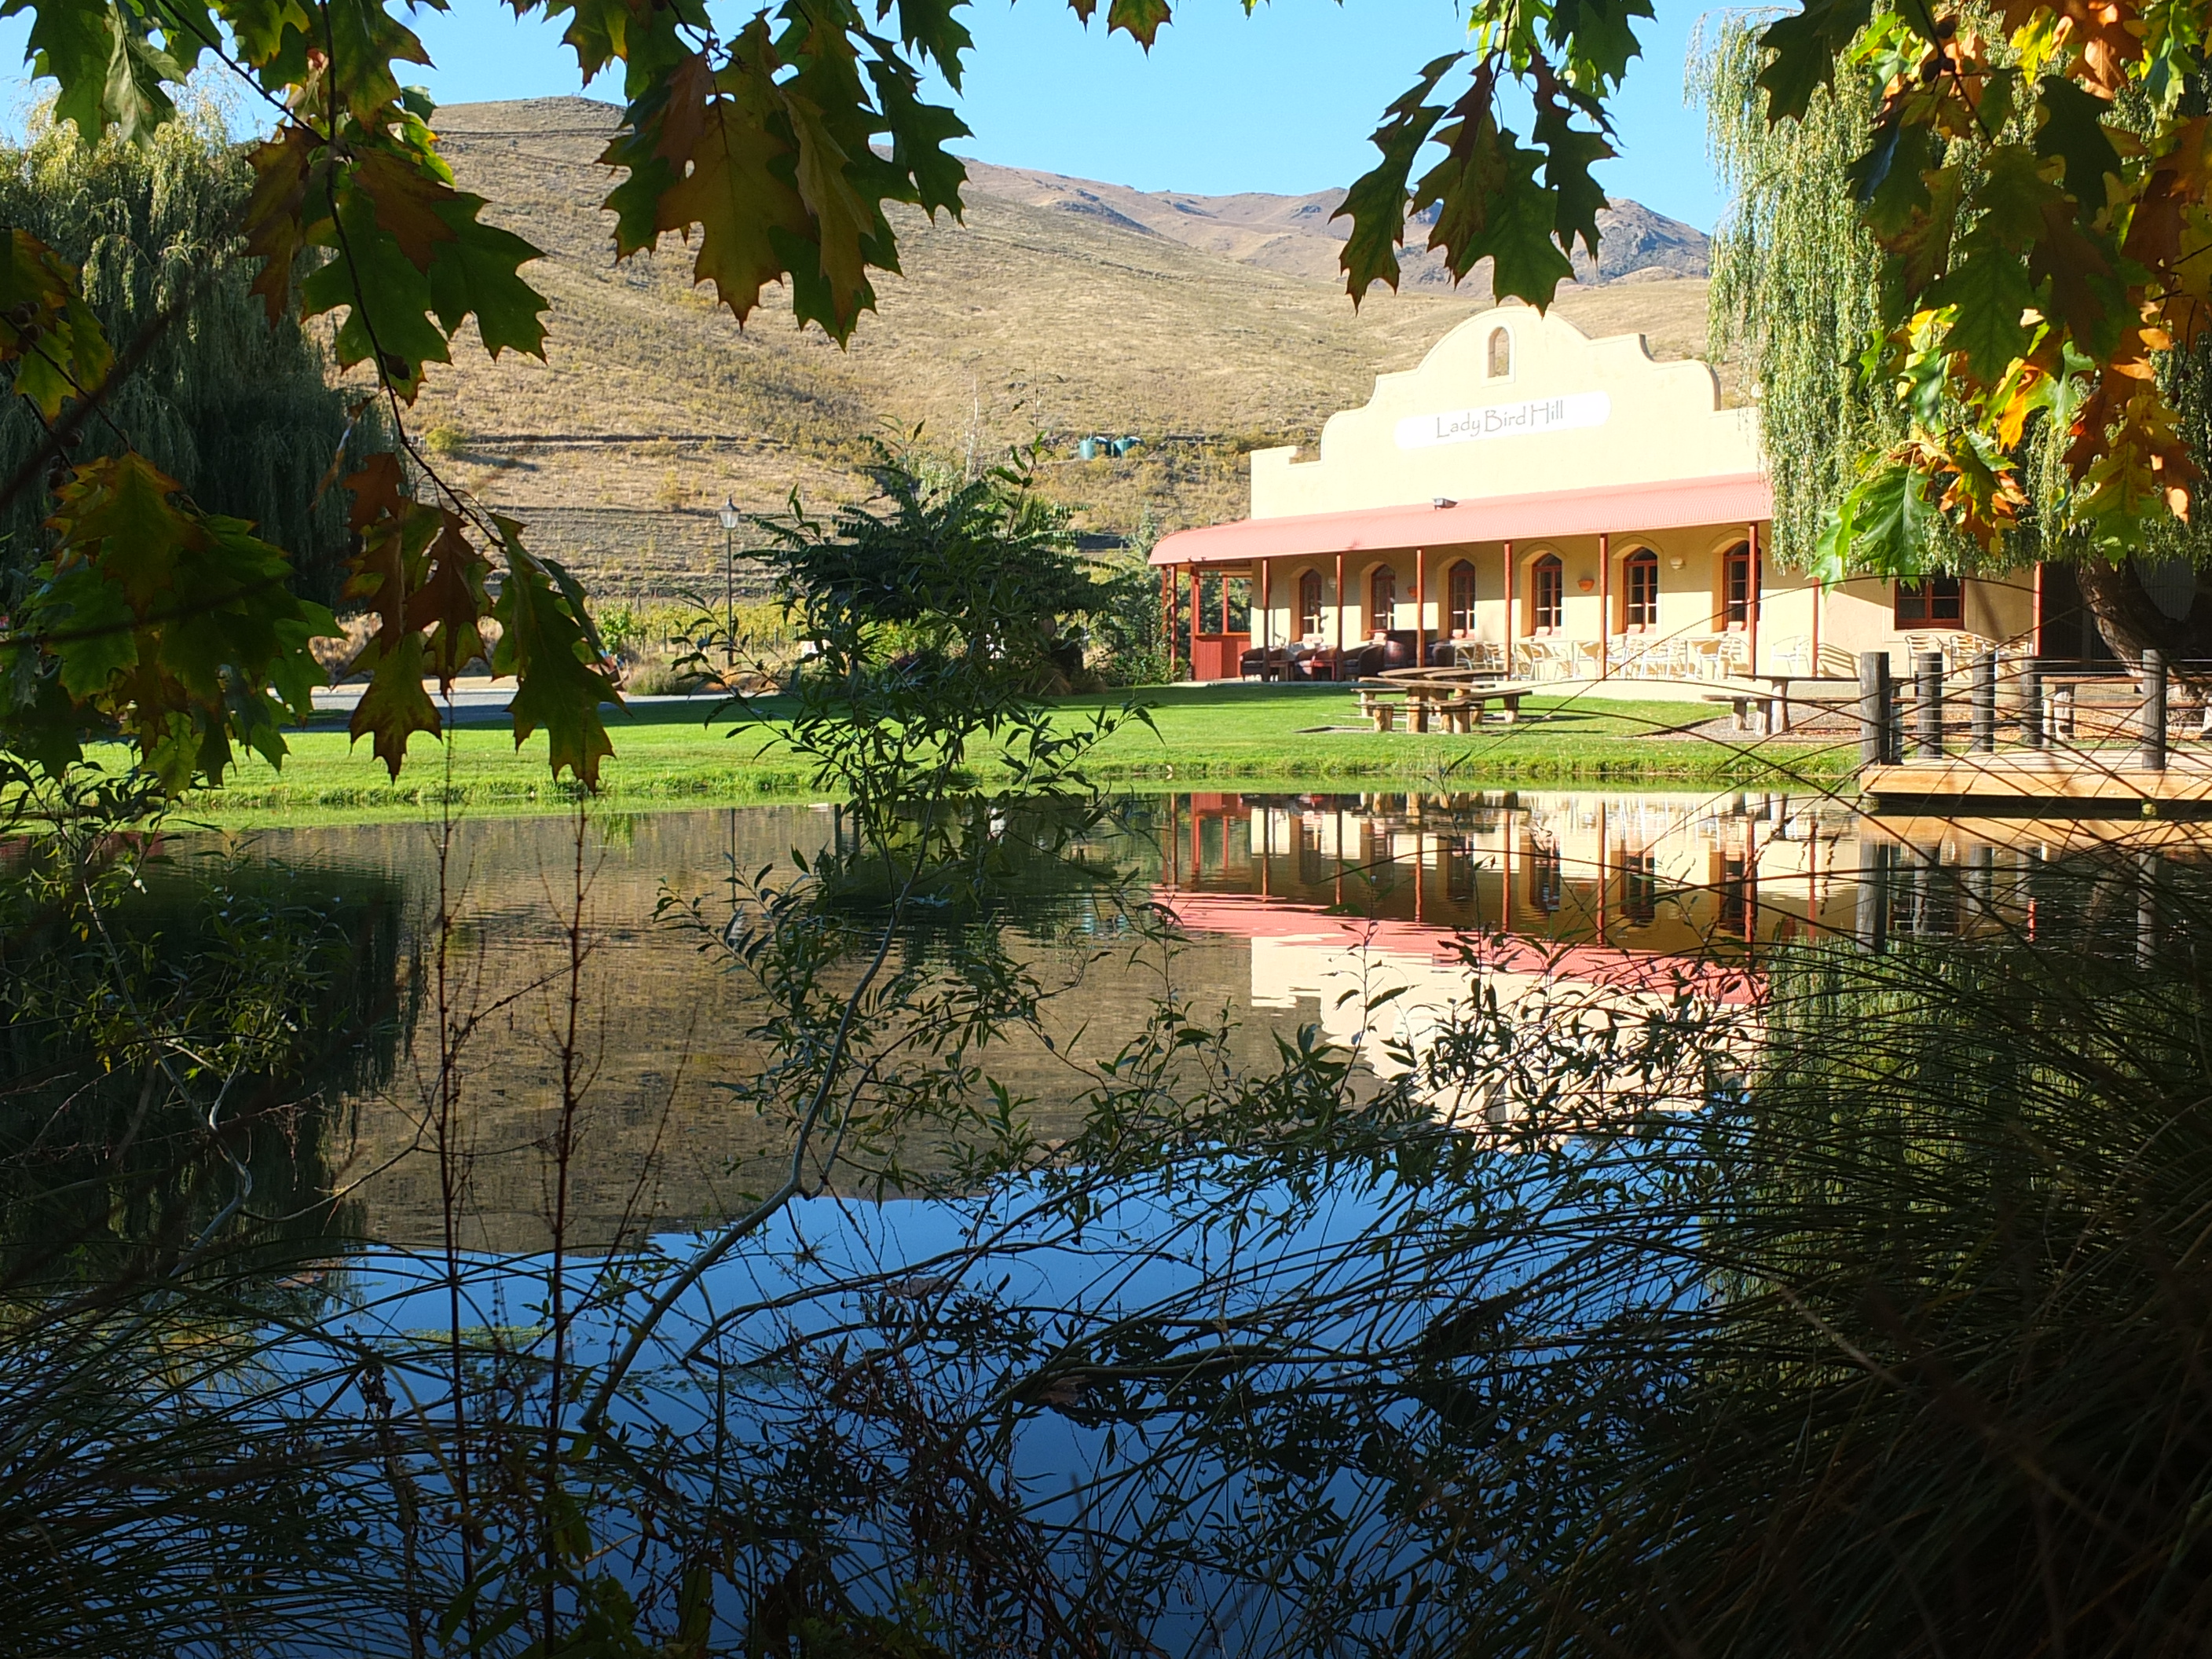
{"x": 2096, "y": 780}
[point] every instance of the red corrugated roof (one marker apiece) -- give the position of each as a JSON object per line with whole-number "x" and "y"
{"x": 1616, "y": 509}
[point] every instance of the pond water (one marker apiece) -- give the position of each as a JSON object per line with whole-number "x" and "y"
{"x": 1132, "y": 1356}
{"x": 1295, "y": 911}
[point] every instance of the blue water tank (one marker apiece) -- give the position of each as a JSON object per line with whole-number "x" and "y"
{"x": 1088, "y": 449}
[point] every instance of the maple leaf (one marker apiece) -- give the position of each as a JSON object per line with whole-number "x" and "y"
{"x": 1804, "y": 48}
{"x": 1375, "y": 203}
{"x": 547, "y": 643}
{"x": 2072, "y": 129}
{"x": 1489, "y": 204}
{"x": 1990, "y": 291}
{"x": 1141, "y": 19}
{"x": 1890, "y": 519}
{"x": 46, "y": 329}
{"x": 393, "y": 706}
{"x": 919, "y": 132}
{"x": 108, "y": 71}
{"x": 733, "y": 193}
{"x": 451, "y": 601}
{"x": 930, "y": 26}
{"x": 407, "y": 203}
{"x": 386, "y": 299}
{"x": 277, "y": 229}
{"x": 1568, "y": 155}
{"x": 476, "y": 273}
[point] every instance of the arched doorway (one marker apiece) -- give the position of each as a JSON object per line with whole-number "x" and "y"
{"x": 1547, "y": 595}
{"x": 1458, "y": 590}
{"x": 1382, "y": 599}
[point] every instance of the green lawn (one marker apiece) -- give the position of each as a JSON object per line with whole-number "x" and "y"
{"x": 1247, "y": 734}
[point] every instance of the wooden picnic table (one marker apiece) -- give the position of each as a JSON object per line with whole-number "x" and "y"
{"x": 1457, "y": 696}
{"x": 1775, "y": 702}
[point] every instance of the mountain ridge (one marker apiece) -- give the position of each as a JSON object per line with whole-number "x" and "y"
{"x": 1020, "y": 324}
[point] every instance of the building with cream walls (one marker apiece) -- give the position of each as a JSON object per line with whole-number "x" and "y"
{"x": 1547, "y": 505}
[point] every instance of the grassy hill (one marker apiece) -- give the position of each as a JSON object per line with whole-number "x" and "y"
{"x": 1028, "y": 319}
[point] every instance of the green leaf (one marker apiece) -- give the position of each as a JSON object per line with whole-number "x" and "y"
{"x": 1490, "y": 205}
{"x": 1889, "y": 177}
{"x": 1570, "y": 153}
{"x": 2073, "y": 128}
{"x": 547, "y": 644}
{"x": 1890, "y": 519}
{"x": 394, "y": 706}
{"x": 1375, "y": 203}
{"x": 919, "y": 132}
{"x": 388, "y": 301}
{"x": 476, "y": 273}
{"x": 363, "y": 41}
{"x": 1991, "y": 290}
{"x": 1598, "y": 37}
{"x": 1804, "y": 51}
{"x": 1141, "y": 19}
{"x": 929, "y": 26}
{"x": 46, "y": 329}
{"x": 2011, "y": 196}
{"x": 90, "y": 628}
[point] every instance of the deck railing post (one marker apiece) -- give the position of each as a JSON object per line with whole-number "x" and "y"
{"x": 1876, "y": 748}
{"x": 1930, "y": 720}
{"x": 1986, "y": 703}
{"x": 2153, "y": 755}
{"x": 2031, "y": 704}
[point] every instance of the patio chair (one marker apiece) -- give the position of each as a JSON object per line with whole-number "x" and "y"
{"x": 1791, "y": 654}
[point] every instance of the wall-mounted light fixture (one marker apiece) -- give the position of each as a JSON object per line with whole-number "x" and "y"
{"x": 1587, "y": 583}
{"x": 1442, "y": 500}
{"x": 1673, "y": 561}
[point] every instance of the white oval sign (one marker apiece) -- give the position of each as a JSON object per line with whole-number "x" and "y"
{"x": 1467, "y": 426}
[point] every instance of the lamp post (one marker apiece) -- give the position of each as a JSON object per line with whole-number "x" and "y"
{"x": 727, "y": 513}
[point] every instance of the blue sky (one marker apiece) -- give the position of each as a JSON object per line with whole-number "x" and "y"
{"x": 1282, "y": 100}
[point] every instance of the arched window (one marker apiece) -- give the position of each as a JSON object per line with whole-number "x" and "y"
{"x": 1737, "y": 598}
{"x": 1501, "y": 353}
{"x": 1547, "y": 591}
{"x": 1309, "y": 603}
{"x": 1640, "y": 597}
{"x": 1382, "y": 599}
{"x": 1460, "y": 584}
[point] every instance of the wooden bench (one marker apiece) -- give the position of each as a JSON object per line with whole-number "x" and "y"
{"x": 1775, "y": 706}
{"x": 1450, "y": 707}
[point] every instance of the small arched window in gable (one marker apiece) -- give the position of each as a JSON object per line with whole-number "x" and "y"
{"x": 1501, "y": 353}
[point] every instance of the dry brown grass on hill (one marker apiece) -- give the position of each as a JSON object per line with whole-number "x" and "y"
{"x": 654, "y": 404}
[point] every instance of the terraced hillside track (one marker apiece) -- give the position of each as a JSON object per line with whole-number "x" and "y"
{"x": 1023, "y": 318}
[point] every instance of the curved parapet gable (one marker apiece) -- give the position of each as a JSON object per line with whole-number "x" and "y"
{"x": 1513, "y": 402}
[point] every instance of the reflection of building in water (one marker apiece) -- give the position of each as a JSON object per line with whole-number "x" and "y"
{"x": 1365, "y": 906}
{"x": 1389, "y": 912}
{"x": 1698, "y": 875}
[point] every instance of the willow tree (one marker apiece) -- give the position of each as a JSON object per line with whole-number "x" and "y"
{"x": 236, "y": 407}
{"x": 1798, "y": 294}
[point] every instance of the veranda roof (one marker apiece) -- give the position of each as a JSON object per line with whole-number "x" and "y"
{"x": 1740, "y": 498}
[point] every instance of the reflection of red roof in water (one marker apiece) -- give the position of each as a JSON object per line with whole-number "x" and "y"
{"x": 1247, "y": 915}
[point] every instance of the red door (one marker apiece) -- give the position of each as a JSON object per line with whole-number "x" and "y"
{"x": 1217, "y": 646}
